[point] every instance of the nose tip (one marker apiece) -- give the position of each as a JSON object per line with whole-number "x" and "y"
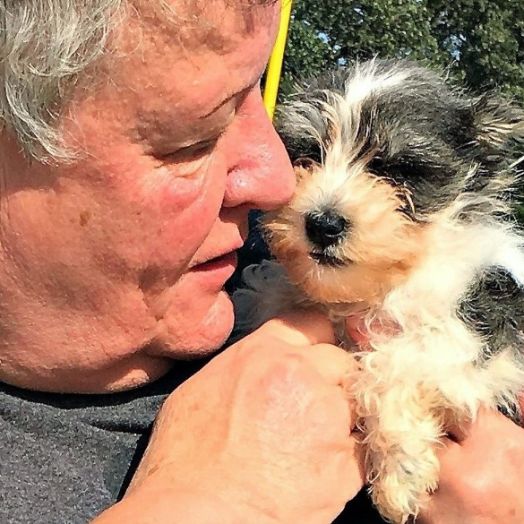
{"x": 326, "y": 228}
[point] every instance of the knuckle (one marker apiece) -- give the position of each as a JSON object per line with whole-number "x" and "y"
{"x": 288, "y": 370}
{"x": 288, "y": 364}
{"x": 271, "y": 357}
{"x": 476, "y": 487}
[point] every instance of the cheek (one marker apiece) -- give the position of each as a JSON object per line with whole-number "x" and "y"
{"x": 196, "y": 322}
{"x": 157, "y": 218}
{"x": 382, "y": 238}
{"x": 189, "y": 206}
{"x": 196, "y": 221}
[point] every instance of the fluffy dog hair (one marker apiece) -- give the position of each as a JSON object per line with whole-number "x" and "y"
{"x": 402, "y": 220}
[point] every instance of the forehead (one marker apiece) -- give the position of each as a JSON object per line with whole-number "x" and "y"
{"x": 195, "y": 42}
{"x": 172, "y": 69}
{"x": 214, "y": 25}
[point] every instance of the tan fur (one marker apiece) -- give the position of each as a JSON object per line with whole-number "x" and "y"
{"x": 384, "y": 245}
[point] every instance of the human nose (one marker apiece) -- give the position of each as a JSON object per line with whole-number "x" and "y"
{"x": 260, "y": 173}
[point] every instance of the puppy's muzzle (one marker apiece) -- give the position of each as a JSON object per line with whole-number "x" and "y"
{"x": 326, "y": 229}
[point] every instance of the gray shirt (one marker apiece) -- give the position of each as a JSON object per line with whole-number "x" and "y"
{"x": 65, "y": 458}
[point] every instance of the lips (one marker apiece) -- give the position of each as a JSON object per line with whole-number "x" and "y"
{"x": 218, "y": 262}
{"x": 203, "y": 260}
{"x": 212, "y": 274}
{"x": 215, "y": 261}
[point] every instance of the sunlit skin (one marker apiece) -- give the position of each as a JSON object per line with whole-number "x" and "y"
{"x": 101, "y": 262}
{"x": 102, "y": 287}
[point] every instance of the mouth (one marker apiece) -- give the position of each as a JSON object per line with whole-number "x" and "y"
{"x": 223, "y": 261}
{"x": 325, "y": 259}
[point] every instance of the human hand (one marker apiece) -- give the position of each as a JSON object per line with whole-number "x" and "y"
{"x": 482, "y": 475}
{"x": 260, "y": 434}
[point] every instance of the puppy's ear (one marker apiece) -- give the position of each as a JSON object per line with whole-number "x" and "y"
{"x": 499, "y": 124}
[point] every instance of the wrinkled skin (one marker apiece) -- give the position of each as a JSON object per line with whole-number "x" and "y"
{"x": 97, "y": 280}
{"x": 103, "y": 283}
{"x": 482, "y": 475}
{"x": 99, "y": 291}
{"x": 272, "y": 443}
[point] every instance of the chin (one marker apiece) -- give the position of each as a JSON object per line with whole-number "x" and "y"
{"x": 138, "y": 374}
{"x": 182, "y": 339}
{"x": 137, "y": 370}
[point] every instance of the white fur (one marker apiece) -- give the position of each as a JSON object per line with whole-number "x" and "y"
{"x": 367, "y": 81}
{"x": 409, "y": 382}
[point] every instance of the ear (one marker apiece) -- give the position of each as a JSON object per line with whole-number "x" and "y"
{"x": 499, "y": 123}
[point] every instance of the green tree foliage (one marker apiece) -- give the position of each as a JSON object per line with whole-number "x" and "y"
{"x": 480, "y": 41}
{"x": 487, "y": 37}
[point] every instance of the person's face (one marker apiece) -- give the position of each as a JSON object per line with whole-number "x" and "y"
{"x": 115, "y": 265}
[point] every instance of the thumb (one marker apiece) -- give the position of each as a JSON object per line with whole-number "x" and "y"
{"x": 301, "y": 328}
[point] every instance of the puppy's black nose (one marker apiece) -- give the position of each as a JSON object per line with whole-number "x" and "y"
{"x": 325, "y": 229}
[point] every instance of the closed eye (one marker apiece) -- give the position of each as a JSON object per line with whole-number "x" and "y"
{"x": 404, "y": 170}
{"x": 191, "y": 152}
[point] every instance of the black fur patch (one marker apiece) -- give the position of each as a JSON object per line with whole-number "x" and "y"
{"x": 425, "y": 134}
{"x": 421, "y": 143}
{"x": 494, "y": 308}
{"x": 302, "y": 149}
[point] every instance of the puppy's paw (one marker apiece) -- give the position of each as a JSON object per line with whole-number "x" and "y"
{"x": 402, "y": 489}
{"x": 264, "y": 293}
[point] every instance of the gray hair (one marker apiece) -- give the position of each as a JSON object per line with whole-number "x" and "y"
{"x": 44, "y": 45}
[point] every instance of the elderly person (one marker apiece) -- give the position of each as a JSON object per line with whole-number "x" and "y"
{"x": 134, "y": 142}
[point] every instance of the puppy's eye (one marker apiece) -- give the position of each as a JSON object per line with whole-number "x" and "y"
{"x": 378, "y": 166}
{"x": 399, "y": 170}
{"x": 407, "y": 170}
{"x": 305, "y": 163}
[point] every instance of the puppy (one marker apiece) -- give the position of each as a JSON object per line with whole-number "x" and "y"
{"x": 401, "y": 230}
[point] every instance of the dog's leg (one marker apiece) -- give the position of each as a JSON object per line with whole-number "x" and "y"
{"x": 401, "y": 407}
{"x": 406, "y": 403}
{"x": 401, "y": 437}
{"x": 265, "y": 293}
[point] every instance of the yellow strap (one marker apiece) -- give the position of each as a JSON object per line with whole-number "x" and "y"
{"x": 274, "y": 69}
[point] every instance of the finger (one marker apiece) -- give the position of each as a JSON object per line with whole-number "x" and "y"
{"x": 448, "y": 453}
{"x": 459, "y": 430}
{"x": 356, "y": 457}
{"x": 431, "y": 512}
{"x": 486, "y": 422}
{"x": 336, "y": 365}
{"x": 460, "y": 427}
{"x": 301, "y": 328}
{"x": 359, "y": 330}
{"x": 356, "y": 329}
{"x": 435, "y": 508}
